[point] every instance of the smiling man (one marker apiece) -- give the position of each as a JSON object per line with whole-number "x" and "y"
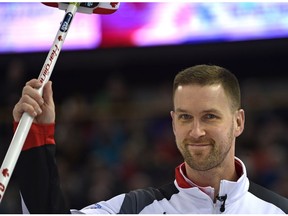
{"x": 207, "y": 118}
{"x": 206, "y": 121}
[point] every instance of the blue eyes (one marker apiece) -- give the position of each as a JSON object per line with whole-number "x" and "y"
{"x": 210, "y": 116}
{"x": 187, "y": 117}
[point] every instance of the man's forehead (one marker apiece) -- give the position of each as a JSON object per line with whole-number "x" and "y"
{"x": 201, "y": 97}
{"x": 210, "y": 90}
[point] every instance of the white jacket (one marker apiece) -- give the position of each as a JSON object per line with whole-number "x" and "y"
{"x": 182, "y": 197}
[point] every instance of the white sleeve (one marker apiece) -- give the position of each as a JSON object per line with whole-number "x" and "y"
{"x": 24, "y": 207}
{"x": 111, "y": 206}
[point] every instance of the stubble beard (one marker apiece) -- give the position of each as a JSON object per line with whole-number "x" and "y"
{"x": 200, "y": 160}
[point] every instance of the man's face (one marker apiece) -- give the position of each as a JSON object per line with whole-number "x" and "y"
{"x": 204, "y": 125}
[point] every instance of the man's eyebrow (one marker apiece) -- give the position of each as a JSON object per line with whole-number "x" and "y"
{"x": 212, "y": 110}
{"x": 181, "y": 110}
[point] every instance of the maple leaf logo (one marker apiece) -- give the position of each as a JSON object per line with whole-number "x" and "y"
{"x": 5, "y": 172}
{"x": 114, "y": 4}
{"x": 60, "y": 38}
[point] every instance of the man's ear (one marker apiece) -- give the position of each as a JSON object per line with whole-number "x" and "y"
{"x": 240, "y": 121}
{"x": 172, "y": 113}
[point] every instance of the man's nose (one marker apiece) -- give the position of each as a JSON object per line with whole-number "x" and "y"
{"x": 197, "y": 130}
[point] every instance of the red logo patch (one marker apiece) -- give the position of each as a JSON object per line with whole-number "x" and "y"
{"x": 114, "y": 4}
{"x": 5, "y": 172}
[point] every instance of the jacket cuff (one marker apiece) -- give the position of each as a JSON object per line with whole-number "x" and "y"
{"x": 39, "y": 135}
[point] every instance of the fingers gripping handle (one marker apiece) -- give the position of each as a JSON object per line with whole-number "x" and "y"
{"x": 26, "y": 120}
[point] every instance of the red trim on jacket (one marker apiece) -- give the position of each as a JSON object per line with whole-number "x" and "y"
{"x": 184, "y": 184}
{"x": 180, "y": 178}
{"x": 39, "y": 135}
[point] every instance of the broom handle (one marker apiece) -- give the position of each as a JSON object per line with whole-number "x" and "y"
{"x": 26, "y": 120}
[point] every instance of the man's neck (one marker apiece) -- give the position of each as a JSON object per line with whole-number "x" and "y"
{"x": 213, "y": 176}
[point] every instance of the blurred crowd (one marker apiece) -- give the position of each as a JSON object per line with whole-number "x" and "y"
{"x": 121, "y": 139}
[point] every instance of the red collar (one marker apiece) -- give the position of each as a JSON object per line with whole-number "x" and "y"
{"x": 184, "y": 184}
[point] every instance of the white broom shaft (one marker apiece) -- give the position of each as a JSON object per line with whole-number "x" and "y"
{"x": 26, "y": 120}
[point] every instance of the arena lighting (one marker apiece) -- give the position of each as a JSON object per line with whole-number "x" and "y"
{"x": 142, "y": 24}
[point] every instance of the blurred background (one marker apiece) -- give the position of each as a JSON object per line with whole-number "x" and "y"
{"x": 113, "y": 87}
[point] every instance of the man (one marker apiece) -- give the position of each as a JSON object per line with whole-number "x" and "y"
{"x": 206, "y": 119}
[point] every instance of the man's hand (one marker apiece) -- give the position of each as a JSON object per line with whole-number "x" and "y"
{"x": 41, "y": 108}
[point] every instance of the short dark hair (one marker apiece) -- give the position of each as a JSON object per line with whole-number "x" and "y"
{"x": 209, "y": 75}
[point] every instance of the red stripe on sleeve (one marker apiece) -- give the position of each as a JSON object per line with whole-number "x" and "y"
{"x": 39, "y": 135}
